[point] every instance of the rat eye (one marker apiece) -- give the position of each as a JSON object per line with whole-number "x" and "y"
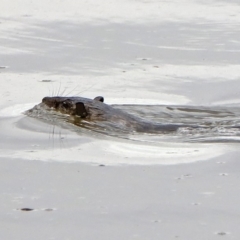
{"x": 65, "y": 104}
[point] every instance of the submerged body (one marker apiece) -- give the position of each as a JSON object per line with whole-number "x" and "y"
{"x": 197, "y": 124}
{"x": 95, "y": 110}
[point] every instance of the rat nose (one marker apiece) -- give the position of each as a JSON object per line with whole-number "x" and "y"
{"x": 45, "y": 99}
{"x": 49, "y": 101}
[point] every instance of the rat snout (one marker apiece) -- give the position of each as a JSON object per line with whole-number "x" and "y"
{"x": 45, "y": 99}
{"x": 49, "y": 101}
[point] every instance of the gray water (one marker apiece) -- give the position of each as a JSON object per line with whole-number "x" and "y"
{"x": 160, "y": 52}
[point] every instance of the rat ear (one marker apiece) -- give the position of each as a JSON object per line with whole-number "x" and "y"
{"x": 81, "y": 110}
{"x": 99, "y": 98}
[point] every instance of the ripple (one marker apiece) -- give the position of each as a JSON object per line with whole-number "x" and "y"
{"x": 47, "y": 136}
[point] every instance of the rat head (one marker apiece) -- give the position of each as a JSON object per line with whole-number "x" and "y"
{"x": 70, "y": 105}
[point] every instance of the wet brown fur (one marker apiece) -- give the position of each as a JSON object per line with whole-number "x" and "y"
{"x": 96, "y": 110}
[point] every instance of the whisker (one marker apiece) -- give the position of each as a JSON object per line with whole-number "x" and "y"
{"x": 59, "y": 88}
{"x": 86, "y": 89}
{"x": 72, "y": 91}
{"x": 64, "y": 90}
{"x": 53, "y": 91}
{"x": 67, "y": 94}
